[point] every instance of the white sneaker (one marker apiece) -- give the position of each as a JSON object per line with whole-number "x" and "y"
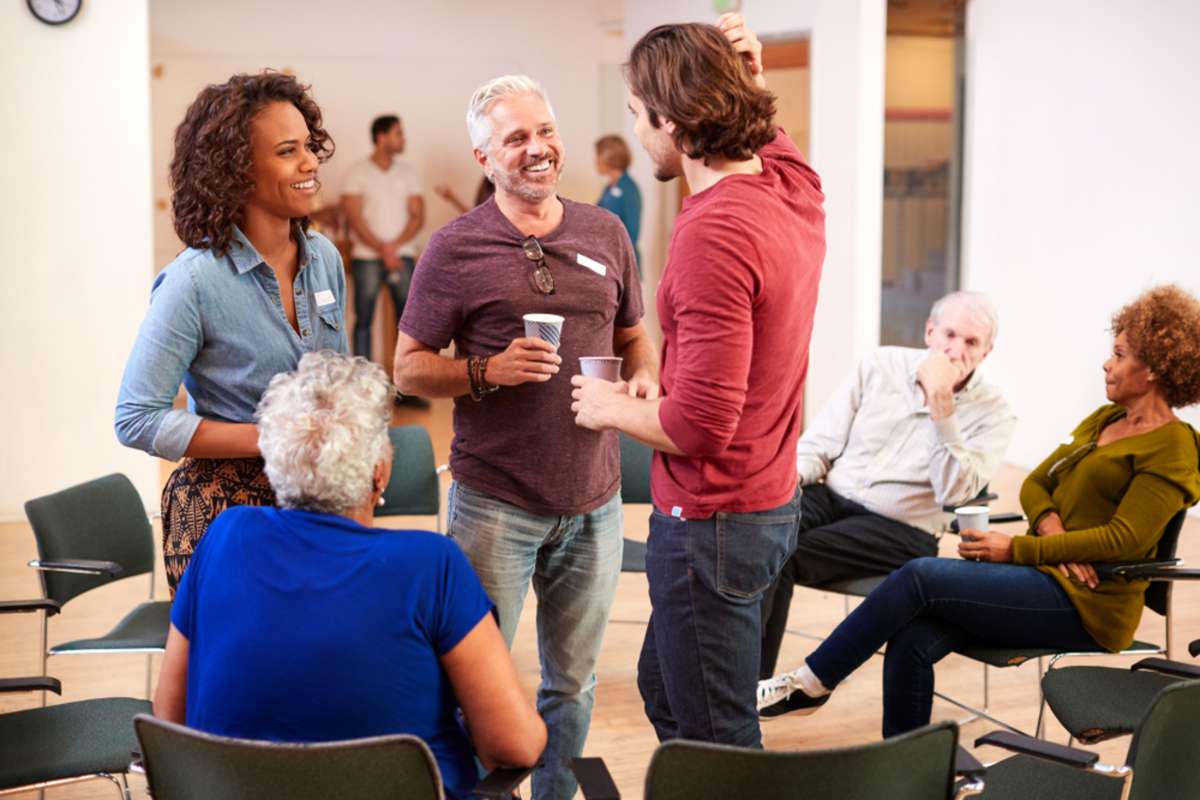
{"x": 774, "y": 690}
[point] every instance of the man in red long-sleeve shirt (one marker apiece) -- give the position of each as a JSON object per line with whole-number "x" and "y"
{"x": 736, "y": 303}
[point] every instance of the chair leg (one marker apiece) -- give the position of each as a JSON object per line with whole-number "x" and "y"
{"x": 986, "y": 689}
{"x": 1040, "y": 730}
{"x": 45, "y": 651}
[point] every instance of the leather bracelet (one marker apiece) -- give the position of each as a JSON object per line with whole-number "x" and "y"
{"x": 478, "y": 385}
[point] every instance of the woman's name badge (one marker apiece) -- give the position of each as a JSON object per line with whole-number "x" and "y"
{"x": 323, "y": 298}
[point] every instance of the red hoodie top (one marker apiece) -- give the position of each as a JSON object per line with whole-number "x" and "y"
{"x": 736, "y": 305}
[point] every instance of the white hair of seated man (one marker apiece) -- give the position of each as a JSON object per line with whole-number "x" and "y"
{"x": 977, "y": 304}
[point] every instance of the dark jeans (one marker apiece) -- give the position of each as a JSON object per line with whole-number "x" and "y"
{"x": 932, "y": 606}
{"x": 839, "y": 540}
{"x": 369, "y": 275}
{"x": 699, "y": 660}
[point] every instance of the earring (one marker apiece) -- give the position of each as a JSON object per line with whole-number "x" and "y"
{"x": 381, "y": 502}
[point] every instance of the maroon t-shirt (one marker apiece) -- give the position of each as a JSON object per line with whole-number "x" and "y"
{"x": 736, "y": 303}
{"x": 472, "y": 286}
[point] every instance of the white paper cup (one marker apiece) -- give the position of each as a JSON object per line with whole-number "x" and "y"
{"x": 547, "y": 327}
{"x": 972, "y": 518}
{"x": 604, "y": 367}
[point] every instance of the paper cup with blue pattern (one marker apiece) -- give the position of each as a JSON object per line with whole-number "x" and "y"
{"x": 547, "y": 327}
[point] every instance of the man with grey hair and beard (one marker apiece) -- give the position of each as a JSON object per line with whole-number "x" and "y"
{"x": 910, "y": 431}
{"x": 535, "y": 497}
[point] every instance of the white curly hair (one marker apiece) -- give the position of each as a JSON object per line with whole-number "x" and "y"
{"x": 478, "y": 125}
{"x": 322, "y": 429}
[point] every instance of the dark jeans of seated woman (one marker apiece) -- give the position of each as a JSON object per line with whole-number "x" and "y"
{"x": 932, "y": 606}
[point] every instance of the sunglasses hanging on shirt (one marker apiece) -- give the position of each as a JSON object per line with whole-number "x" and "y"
{"x": 542, "y": 278}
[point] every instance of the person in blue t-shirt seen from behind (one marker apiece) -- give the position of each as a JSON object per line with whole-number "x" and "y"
{"x": 303, "y": 623}
{"x": 621, "y": 195}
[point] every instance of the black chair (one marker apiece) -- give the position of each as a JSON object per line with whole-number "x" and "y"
{"x": 413, "y": 488}
{"x": 186, "y": 764}
{"x": 88, "y": 536}
{"x": 1158, "y": 599}
{"x": 1161, "y": 763}
{"x": 67, "y": 743}
{"x": 1099, "y": 703}
{"x": 918, "y": 765}
{"x": 635, "y": 488}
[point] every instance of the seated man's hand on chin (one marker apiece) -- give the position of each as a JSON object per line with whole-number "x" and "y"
{"x": 938, "y": 376}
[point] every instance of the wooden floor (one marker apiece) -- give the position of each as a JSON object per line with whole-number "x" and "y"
{"x": 620, "y": 732}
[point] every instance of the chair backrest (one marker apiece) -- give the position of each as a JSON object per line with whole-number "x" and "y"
{"x": 101, "y": 520}
{"x": 1165, "y": 750}
{"x": 185, "y": 764}
{"x": 635, "y": 470}
{"x": 1158, "y": 593}
{"x": 413, "y": 487}
{"x": 912, "y": 766}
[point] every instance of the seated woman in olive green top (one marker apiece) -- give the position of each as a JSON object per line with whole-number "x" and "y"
{"x": 1103, "y": 497}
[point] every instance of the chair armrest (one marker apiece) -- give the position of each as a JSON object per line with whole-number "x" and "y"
{"x": 36, "y": 683}
{"x": 51, "y": 607}
{"x": 81, "y": 566}
{"x": 979, "y": 500}
{"x": 594, "y": 779}
{"x": 1175, "y": 668}
{"x": 966, "y": 764}
{"x": 501, "y": 783}
{"x": 1027, "y": 745}
{"x": 1152, "y": 570}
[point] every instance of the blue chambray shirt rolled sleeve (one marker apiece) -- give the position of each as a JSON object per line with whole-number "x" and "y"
{"x": 170, "y": 337}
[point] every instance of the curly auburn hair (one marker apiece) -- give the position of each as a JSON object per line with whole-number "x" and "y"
{"x": 691, "y": 75}
{"x": 212, "y": 171}
{"x": 1163, "y": 330}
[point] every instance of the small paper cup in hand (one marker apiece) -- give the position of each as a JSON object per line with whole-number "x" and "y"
{"x": 547, "y": 327}
{"x": 973, "y": 518}
{"x": 604, "y": 367}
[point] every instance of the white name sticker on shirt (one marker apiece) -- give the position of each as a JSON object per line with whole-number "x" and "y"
{"x": 324, "y": 298}
{"x": 590, "y": 263}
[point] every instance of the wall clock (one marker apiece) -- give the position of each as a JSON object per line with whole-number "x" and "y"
{"x": 54, "y": 12}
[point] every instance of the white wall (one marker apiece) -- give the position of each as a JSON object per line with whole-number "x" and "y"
{"x": 76, "y": 233}
{"x": 418, "y": 60}
{"x": 847, "y": 53}
{"x": 1082, "y": 178}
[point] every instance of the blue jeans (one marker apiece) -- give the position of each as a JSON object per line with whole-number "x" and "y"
{"x": 369, "y": 275}
{"x": 932, "y": 606}
{"x": 573, "y": 563}
{"x": 699, "y": 663}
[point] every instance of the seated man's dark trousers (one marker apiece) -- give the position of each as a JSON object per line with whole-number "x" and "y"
{"x": 839, "y": 540}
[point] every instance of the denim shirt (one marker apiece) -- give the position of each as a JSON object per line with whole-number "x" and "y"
{"x": 217, "y": 324}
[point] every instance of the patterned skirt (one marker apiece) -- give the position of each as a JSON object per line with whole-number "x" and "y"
{"x": 196, "y": 492}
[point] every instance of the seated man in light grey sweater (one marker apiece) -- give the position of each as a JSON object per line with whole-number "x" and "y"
{"x": 909, "y": 432}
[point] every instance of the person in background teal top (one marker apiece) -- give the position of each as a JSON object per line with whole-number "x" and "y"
{"x": 621, "y": 195}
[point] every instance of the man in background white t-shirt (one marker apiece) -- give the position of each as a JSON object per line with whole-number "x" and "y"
{"x": 383, "y": 203}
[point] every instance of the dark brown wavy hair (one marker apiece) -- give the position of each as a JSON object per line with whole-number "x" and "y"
{"x": 1163, "y": 330}
{"x": 212, "y": 171}
{"x": 691, "y": 75}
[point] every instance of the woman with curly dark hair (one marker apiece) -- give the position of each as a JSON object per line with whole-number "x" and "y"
{"x": 1104, "y": 495}
{"x": 253, "y": 292}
